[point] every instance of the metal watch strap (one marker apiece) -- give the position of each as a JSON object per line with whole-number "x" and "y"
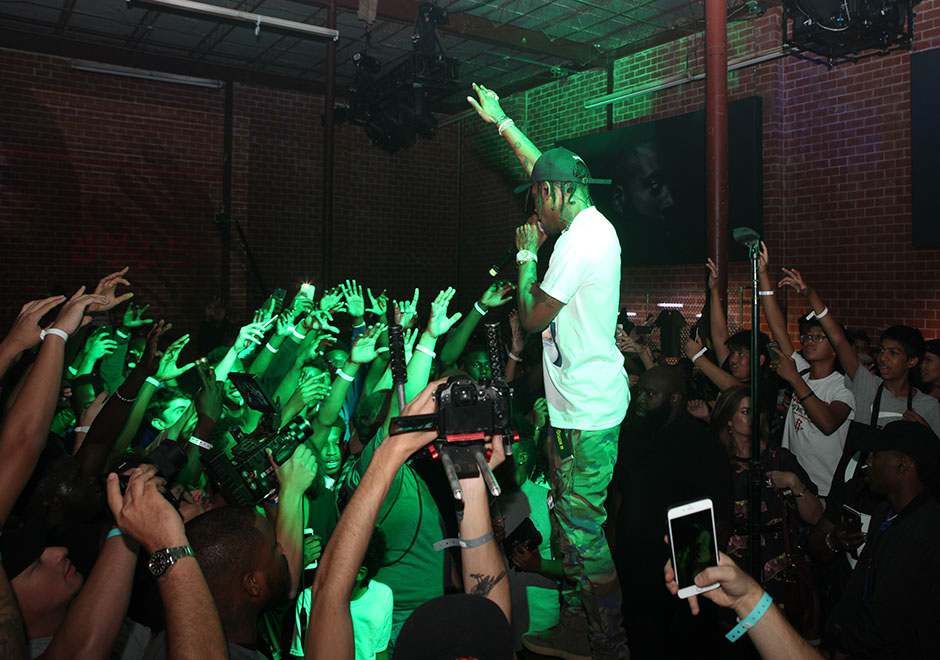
{"x": 161, "y": 560}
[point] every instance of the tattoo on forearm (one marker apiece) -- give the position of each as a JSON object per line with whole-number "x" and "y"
{"x": 485, "y": 583}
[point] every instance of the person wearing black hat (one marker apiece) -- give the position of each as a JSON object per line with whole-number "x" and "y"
{"x": 575, "y": 308}
{"x": 891, "y": 605}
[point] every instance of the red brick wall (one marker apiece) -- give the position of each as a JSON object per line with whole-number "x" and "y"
{"x": 836, "y": 169}
{"x": 100, "y": 171}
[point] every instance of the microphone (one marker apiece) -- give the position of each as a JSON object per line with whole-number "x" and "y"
{"x": 504, "y": 261}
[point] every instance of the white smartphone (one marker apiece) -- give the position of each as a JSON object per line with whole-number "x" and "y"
{"x": 693, "y": 543}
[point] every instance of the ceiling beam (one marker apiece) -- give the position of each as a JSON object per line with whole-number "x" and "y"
{"x": 50, "y": 45}
{"x": 479, "y": 29}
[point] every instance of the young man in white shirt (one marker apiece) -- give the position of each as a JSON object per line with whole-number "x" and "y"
{"x": 575, "y": 307}
{"x": 822, "y": 406}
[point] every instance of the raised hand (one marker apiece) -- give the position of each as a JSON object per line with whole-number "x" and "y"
{"x": 168, "y": 368}
{"x": 355, "y": 301}
{"x": 133, "y": 316}
{"x": 99, "y": 345}
{"x": 252, "y": 333}
{"x": 540, "y": 412}
{"x": 626, "y": 342}
{"x": 72, "y": 315}
{"x": 692, "y": 347}
{"x": 528, "y": 237}
{"x": 763, "y": 259}
{"x": 439, "y": 323}
{"x": 712, "y": 274}
{"x": 150, "y": 359}
{"x": 106, "y": 289}
{"x": 298, "y": 472}
{"x": 332, "y": 300}
{"x": 411, "y": 336}
{"x": 498, "y": 293}
{"x": 310, "y": 388}
{"x": 215, "y": 309}
{"x": 211, "y": 395}
{"x": 736, "y": 585}
{"x": 25, "y": 331}
{"x": 794, "y": 279}
{"x": 364, "y": 350}
{"x": 486, "y": 104}
{"x": 377, "y": 304}
{"x": 406, "y": 312}
{"x": 143, "y": 513}
{"x": 283, "y": 326}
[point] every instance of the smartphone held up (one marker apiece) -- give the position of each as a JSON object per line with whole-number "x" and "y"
{"x": 693, "y": 544}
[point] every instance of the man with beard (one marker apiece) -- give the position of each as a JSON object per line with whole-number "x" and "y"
{"x": 666, "y": 457}
{"x": 890, "y": 605}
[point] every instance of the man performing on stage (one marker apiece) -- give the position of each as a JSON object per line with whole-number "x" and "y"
{"x": 575, "y": 308}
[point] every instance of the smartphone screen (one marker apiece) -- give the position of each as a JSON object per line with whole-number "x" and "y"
{"x": 693, "y": 543}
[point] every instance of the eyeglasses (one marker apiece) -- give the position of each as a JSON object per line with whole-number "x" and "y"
{"x": 813, "y": 339}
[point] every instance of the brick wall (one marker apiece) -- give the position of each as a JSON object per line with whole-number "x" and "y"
{"x": 836, "y": 170}
{"x": 101, "y": 171}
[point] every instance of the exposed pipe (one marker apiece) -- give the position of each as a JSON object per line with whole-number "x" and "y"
{"x": 329, "y": 147}
{"x": 226, "y": 240}
{"x": 683, "y": 78}
{"x": 247, "y": 17}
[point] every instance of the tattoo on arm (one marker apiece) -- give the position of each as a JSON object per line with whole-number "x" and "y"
{"x": 544, "y": 299}
{"x": 485, "y": 583}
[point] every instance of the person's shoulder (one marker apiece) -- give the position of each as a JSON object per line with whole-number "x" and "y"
{"x": 926, "y": 402}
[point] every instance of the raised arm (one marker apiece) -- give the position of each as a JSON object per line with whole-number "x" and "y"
{"x": 775, "y": 318}
{"x": 487, "y": 106}
{"x": 498, "y": 293}
{"x": 193, "y": 627}
{"x": 336, "y": 575}
{"x": 830, "y": 326}
{"x": 25, "y": 331}
{"x": 484, "y": 570}
{"x": 26, "y": 426}
{"x": 536, "y": 308}
{"x": 721, "y": 378}
{"x": 717, "y": 321}
{"x": 295, "y": 476}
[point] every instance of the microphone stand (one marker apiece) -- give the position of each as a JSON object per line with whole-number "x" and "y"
{"x": 751, "y": 239}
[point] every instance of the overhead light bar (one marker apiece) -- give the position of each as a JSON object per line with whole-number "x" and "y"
{"x": 247, "y": 17}
{"x": 144, "y": 74}
{"x": 681, "y": 79}
{"x": 666, "y": 305}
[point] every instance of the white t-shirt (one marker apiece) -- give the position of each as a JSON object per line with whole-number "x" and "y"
{"x": 817, "y": 452}
{"x": 585, "y": 384}
{"x": 371, "y": 618}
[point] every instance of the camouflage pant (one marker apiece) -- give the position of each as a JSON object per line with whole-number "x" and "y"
{"x": 579, "y": 489}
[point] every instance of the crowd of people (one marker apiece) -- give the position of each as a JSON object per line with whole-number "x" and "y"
{"x": 253, "y": 490}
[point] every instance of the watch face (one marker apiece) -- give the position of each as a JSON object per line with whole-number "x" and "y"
{"x": 159, "y": 562}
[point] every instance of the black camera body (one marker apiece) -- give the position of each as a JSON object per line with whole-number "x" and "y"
{"x": 248, "y": 478}
{"x": 468, "y": 410}
{"x": 168, "y": 458}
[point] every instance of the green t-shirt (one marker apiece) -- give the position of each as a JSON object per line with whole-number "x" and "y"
{"x": 412, "y": 524}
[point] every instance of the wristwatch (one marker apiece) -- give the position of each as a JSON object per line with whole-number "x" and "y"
{"x": 161, "y": 560}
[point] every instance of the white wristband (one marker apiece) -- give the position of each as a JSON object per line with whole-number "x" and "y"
{"x": 122, "y": 335}
{"x": 766, "y": 293}
{"x": 476, "y": 306}
{"x": 504, "y": 124}
{"x": 53, "y": 331}
{"x": 202, "y": 444}
{"x": 822, "y": 313}
{"x": 270, "y": 348}
{"x": 298, "y": 335}
{"x": 523, "y": 256}
{"x": 153, "y": 381}
{"x": 81, "y": 429}
{"x": 424, "y": 349}
{"x": 514, "y": 357}
{"x": 342, "y": 374}
{"x": 699, "y": 354}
